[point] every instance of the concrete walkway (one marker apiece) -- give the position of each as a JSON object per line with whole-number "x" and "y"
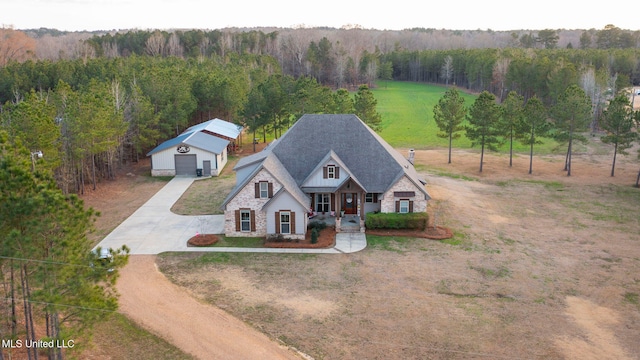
{"x": 154, "y": 229}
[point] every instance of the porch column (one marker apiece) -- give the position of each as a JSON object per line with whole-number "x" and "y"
{"x": 361, "y": 202}
{"x": 338, "y": 203}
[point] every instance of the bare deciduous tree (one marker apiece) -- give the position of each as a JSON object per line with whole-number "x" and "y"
{"x": 110, "y": 49}
{"x": 155, "y": 44}
{"x": 447, "y": 69}
{"x": 174, "y": 47}
{"x": 500, "y": 69}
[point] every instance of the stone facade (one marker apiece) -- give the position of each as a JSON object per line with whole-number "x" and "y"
{"x": 388, "y": 202}
{"x": 245, "y": 199}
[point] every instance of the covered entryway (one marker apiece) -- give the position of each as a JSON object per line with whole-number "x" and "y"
{"x": 350, "y": 203}
{"x": 186, "y": 164}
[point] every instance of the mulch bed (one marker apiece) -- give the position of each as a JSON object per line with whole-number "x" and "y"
{"x": 433, "y": 233}
{"x": 327, "y": 237}
{"x": 203, "y": 240}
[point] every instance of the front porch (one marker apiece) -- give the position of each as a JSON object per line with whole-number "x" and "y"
{"x": 347, "y": 223}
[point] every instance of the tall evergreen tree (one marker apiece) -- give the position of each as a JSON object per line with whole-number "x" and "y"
{"x": 43, "y": 232}
{"x": 512, "y": 112}
{"x": 618, "y": 122}
{"x": 365, "y": 107}
{"x": 533, "y": 125}
{"x": 572, "y": 114}
{"x": 449, "y": 113}
{"x": 342, "y": 102}
{"x": 483, "y": 128}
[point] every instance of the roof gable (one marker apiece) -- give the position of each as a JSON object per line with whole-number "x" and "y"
{"x": 331, "y": 157}
{"x": 314, "y": 139}
{"x": 373, "y": 162}
{"x": 272, "y": 164}
{"x": 196, "y": 139}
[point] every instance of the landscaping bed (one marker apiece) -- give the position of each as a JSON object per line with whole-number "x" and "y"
{"x": 326, "y": 239}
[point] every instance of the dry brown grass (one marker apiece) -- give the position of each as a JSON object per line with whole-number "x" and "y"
{"x": 541, "y": 266}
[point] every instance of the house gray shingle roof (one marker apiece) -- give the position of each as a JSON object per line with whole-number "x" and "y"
{"x": 370, "y": 159}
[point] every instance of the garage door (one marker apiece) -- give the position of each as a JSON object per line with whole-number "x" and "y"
{"x": 185, "y": 164}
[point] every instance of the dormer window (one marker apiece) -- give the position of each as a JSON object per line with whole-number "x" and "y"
{"x": 331, "y": 172}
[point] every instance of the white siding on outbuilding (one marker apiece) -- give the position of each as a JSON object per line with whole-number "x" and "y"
{"x": 163, "y": 162}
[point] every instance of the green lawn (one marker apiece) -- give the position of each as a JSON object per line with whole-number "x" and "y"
{"x": 407, "y": 117}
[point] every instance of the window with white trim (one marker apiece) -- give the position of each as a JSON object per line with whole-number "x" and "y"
{"x": 323, "y": 202}
{"x": 331, "y": 172}
{"x": 245, "y": 220}
{"x": 404, "y": 207}
{"x": 285, "y": 222}
{"x": 264, "y": 190}
{"x": 368, "y": 198}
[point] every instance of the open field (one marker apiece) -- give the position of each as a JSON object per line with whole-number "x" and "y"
{"x": 407, "y": 117}
{"x": 543, "y": 266}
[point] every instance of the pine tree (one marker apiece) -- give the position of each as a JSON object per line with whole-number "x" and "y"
{"x": 449, "y": 113}
{"x": 365, "y": 106}
{"x": 43, "y": 232}
{"x": 572, "y": 114}
{"x": 533, "y": 125}
{"x": 618, "y": 122}
{"x": 512, "y": 112}
{"x": 483, "y": 128}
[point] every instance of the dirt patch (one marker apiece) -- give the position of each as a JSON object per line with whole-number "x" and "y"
{"x": 432, "y": 232}
{"x": 300, "y": 305}
{"x": 167, "y": 310}
{"x": 597, "y": 338}
{"x": 116, "y": 200}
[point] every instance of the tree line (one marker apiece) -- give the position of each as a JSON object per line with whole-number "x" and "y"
{"x": 490, "y": 124}
{"x": 89, "y": 118}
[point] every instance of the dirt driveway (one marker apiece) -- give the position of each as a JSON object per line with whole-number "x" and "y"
{"x": 197, "y": 328}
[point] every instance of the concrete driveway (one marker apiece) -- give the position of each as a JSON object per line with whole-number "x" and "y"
{"x": 154, "y": 229}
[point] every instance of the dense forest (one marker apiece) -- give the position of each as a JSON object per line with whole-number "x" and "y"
{"x": 93, "y": 101}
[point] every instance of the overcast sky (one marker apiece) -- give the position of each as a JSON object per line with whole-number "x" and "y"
{"x": 77, "y": 15}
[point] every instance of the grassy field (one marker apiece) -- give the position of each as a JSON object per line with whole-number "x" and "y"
{"x": 407, "y": 117}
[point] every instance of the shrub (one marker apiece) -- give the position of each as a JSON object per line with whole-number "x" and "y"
{"x": 314, "y": 235}
{"x": 415, "y": 221}
{"x": 320, "y": 225}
